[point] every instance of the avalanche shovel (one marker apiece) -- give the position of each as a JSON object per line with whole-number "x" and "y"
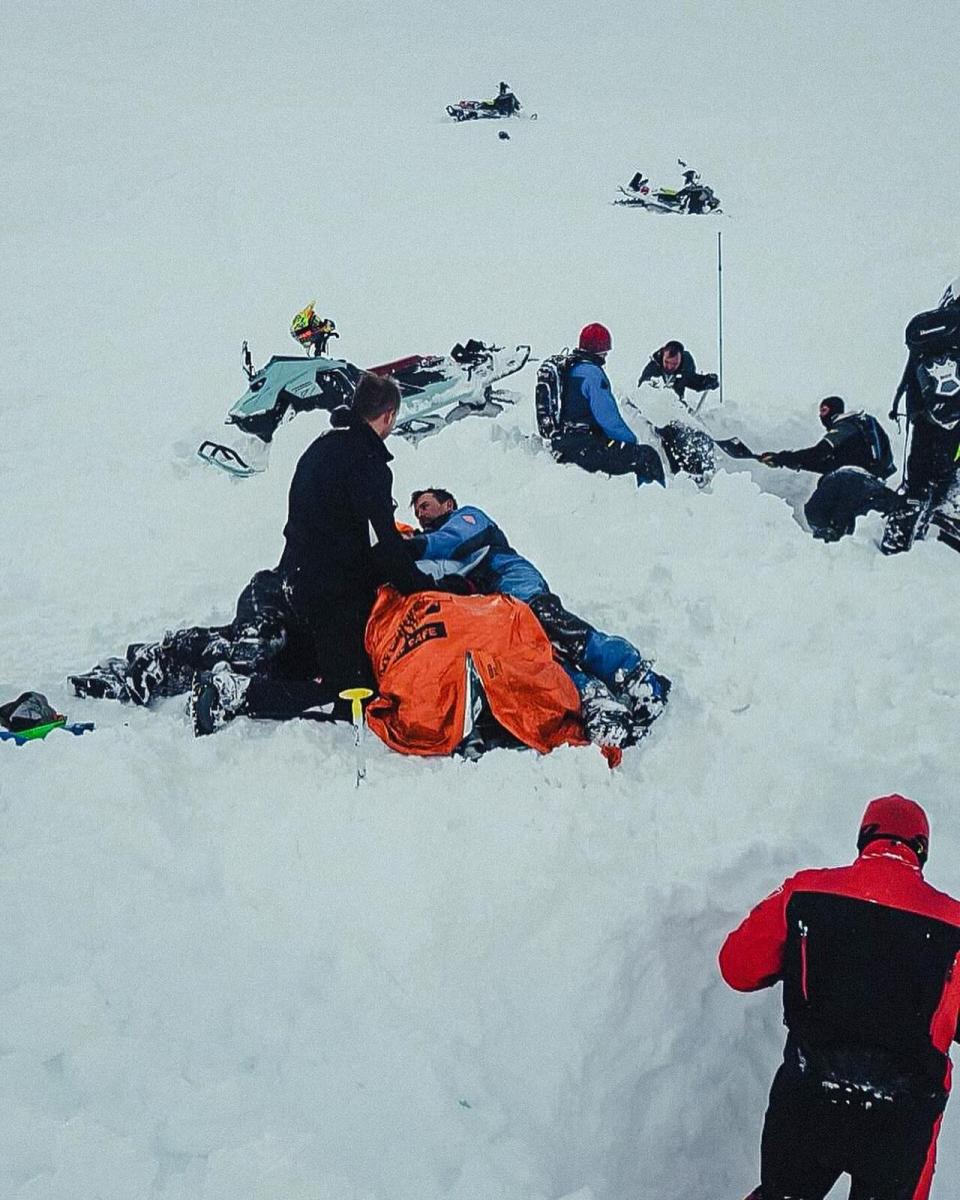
{"x": 356, "y": 696}
{"x": 735, "y": 448}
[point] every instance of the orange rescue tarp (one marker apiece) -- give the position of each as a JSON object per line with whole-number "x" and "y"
{"x": 418, "y": 646}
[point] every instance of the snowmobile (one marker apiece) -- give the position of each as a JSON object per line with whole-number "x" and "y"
{"x": 504, "y": 105}
{"x": 694, "y": 200}
{"x": 436, "y": 390}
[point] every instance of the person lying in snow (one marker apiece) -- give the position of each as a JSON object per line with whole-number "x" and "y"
{"x": 262, "y": 664}
{"x": 853, "y": 458}
{"x": 620, "y": 694}
{"x": 259, "y": 663}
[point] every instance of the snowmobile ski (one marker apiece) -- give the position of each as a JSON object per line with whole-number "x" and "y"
{"x": 39, "y": 732}
{"x": 226, "y": 458}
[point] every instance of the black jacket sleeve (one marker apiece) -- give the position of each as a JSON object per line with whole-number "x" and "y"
{"x": 690, "y": 377}
{"x": 822, "y": 457}
{"x": 652, "y": 370}
{"x": 391, "y": 557}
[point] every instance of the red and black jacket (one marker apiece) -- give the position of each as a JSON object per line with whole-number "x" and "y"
{"x": 868, "y": 955}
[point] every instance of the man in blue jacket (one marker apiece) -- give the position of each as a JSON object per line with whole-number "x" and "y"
{"x": 592, "y": 433}
{"x": 620, "y": 695}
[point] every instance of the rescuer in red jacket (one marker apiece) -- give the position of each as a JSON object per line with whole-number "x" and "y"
{"x": 868, "y": 958}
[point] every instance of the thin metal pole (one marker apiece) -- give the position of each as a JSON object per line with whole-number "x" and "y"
{"x": 720, "y": 308}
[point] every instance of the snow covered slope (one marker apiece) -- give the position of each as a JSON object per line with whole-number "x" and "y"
{"x": 229, "y": 975}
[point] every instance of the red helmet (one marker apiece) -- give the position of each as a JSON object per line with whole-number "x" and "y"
{"x": 896, "y": 819}
{"x": 595, "y": 339}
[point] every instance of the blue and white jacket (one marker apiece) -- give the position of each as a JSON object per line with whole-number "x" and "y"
{"x": 467, "y": 530}
{"x": 588, "y": 402}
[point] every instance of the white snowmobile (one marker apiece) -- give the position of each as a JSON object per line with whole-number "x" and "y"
{"x": 435, "y": 391}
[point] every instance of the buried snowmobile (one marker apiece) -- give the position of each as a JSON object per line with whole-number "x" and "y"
{"x": 504, "y": 104}
{"x": 694, "y": 198}
{"x": 695, "y": 202}
{"x": 436, "y": 390}
{"x": 475, "y": 110}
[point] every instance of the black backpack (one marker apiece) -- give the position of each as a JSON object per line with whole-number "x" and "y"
{"x": 876, "y": 439}
{"x": 549, "y": 394}
{"x": 935, "y": 333}
{"x": 29, "y": 711}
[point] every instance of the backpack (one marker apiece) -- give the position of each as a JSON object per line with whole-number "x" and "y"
{"x": 30, "y": 710}
{"x": 935, "y": 333}
{"x": 875, "y": 436}
{"x": 551, "y": 376}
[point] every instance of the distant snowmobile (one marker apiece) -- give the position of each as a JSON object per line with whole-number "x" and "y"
{"x": 504, "y": 104}
{"x": 473, "y": 110}
{"x": 435, "y": 391}
{"x": 694, "y": 198}
{"x": 670, "y": 200}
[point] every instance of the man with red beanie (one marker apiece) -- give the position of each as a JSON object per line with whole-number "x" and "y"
{"x": 592, "y": 432}
{"x": 868, "y": 958}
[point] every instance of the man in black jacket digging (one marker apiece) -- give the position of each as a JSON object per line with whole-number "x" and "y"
{"x": 853, "y": 458}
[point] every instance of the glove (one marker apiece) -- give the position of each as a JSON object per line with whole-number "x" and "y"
{"x": 710, "y": 383}
{"x": 456, "y": 585}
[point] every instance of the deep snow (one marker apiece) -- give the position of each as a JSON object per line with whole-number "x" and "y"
{"x": 226, "y": 972}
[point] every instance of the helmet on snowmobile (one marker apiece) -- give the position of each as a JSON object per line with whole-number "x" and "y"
{"x": 951, "y": 295}
{"x": 894, "y": 818}
{"x": 595, "y": 339}
{"x": 690, "y": 177}
{"x": 303, "y": 318}
{"x": 300, "y": 326}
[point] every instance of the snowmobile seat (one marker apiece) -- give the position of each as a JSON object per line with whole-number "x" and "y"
{"x": 397, "y": 367}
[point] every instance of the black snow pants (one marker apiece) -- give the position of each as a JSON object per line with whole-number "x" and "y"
{"x": 853, "y": 1113}
{"x": 612, "y": 458}
{"x": 297, "y": 658}
{"x": 843, "y": 495}
{"x": 326, "y": 633}
{"x": 251, "y": 643}
{"x": 931, "y": 463}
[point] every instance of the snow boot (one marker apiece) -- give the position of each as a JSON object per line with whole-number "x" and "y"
{"x": 216, "y": 697}
{"x": 107, "y": 681}
{"x": 645, "y": 692}
{"x": 606, "y": 721}
{"x": 146, "y": 671}
{"x": 904, "y": 526}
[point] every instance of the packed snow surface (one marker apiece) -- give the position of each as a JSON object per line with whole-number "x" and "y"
{"x": 227, "y": 973}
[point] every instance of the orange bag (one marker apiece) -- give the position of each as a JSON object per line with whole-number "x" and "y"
{"x": 418, "y": 646}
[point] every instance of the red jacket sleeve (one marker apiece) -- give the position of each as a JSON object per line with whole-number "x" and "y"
{"x": 752, "y": 955}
